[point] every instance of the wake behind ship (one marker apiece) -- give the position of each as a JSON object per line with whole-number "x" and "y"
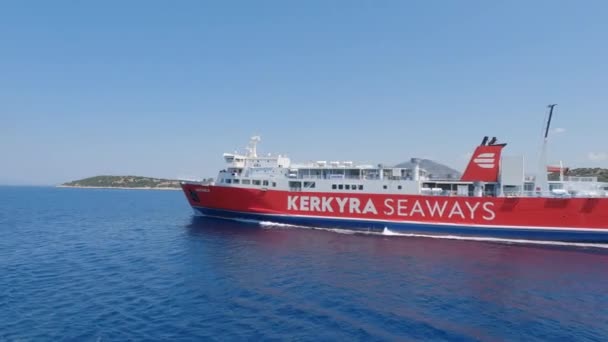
{"x": 493, "y": 198}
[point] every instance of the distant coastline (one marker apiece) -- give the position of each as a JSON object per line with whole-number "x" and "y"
{"x": 114, "y": 187}
{"x": 123, "y": 182}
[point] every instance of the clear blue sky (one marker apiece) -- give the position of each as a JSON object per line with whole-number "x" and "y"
{"x": 162, "y": 88}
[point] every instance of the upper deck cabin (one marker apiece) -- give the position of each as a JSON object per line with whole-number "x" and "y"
{"x": 348, "y": 170}
{"x": 277, "y": 171}
{"x": 253, "y": 165}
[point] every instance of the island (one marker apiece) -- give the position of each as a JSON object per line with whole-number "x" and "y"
{"x": 124, "y": 182}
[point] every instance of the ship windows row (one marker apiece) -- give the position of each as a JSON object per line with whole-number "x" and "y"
{"x": 248, "y": 182}
{"x": 346, "y": 187}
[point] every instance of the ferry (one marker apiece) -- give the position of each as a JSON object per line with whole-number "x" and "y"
{"x": 492, "y": 198}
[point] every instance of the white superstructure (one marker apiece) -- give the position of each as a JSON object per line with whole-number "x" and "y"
{"x": 253, "y": 170}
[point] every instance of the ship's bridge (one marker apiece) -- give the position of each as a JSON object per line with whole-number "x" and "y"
{"x": 251, "y": 164}
{"x": 239, "y": 161}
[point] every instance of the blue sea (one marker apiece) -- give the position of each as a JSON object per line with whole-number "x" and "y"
{"x": 117, "y": 265}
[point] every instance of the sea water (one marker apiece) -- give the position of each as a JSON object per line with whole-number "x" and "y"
{"x": 113, "y": 265}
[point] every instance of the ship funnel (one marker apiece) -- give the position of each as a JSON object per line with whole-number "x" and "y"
{"x": 484, "y": 163}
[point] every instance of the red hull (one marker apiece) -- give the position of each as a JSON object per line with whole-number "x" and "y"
{"x": 585, "y": 214}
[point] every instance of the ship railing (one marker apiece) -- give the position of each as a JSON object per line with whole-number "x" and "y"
{"x": 556, "y": 194}
{"x": 347, "y": 177}
{"x": 519, "y": 194}
{"x": 334, "y": 177}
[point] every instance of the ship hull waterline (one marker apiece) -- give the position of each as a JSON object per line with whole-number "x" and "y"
{"x": 508, "y": 216}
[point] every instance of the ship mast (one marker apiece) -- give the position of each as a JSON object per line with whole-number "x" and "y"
{"x": 252, "y": 151}
{"x": 549, "y": 120}
{"x": 542, "y": 183}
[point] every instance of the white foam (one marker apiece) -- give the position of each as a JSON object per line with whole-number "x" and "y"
{"x": 389, "y": 232}
{"x": 270, "y": 224}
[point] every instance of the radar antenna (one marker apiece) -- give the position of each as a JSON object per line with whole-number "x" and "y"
{"x": 252, "y": 147}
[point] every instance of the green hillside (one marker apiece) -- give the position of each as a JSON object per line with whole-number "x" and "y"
{"x": 124, "y": 182}
{"x": 600, "y": 173}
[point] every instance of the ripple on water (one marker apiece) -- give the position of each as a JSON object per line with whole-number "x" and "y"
{"x": 136, "y": 265}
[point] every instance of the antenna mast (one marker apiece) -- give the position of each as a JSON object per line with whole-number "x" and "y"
{"x": 549, "y": 120}
{"x": 252, "y": 147}
{"x": 542, "y": 183}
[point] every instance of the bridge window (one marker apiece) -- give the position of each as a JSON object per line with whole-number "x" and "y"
{"x": 310, "y": 185}
{"x": 360, "y": 187}
{"x": 246, "y": 181}
{"x": 235, "y": 181}
{"x": 265, "y": 183}
{"x": 347, "y": 186}
{"x": 293, "y": 184}
{"x": 257, "y": 182}
{"x": 274, "y": 184}
{"x": 354, "y": 187}
{"x": 340, "y": 187}
{"x": 334, "y": 186}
